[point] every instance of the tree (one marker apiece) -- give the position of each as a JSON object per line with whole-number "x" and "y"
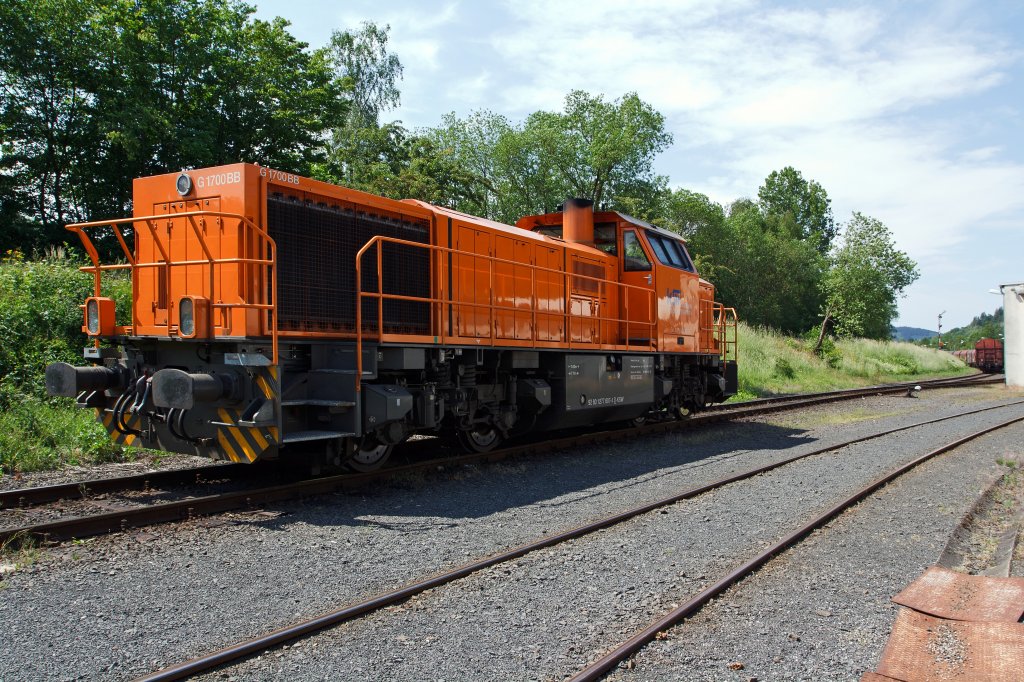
{"x": 368, "y": 72}
{"x": 48, "y": 63}
{"x": 472, "y": 151}
{"x": 593, "y": 149}
{"x": 867, "y": 275}
{"x": 770, "y": 278}
{"x": 602, "y": 150}
{"x": 798, "y": 207}
{"x": 94, "y": 93}
{"x": 691, "y": 213}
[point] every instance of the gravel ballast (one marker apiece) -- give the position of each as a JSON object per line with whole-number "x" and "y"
{"x": 120, "y": 607}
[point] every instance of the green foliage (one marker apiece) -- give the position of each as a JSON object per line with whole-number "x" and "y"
{"x": 368, "y": 72}
{"x": 95, "y": 93}
{"x": 867, "y": 275}
{"x": 771, "y": 363}
{"x": 41, "y": 322}
{"x": 770, "y": 277}
{"x": 40, "y": 318}
{"x": 692, "y": 214}
{"x": 984, "y": 326}
{"x": 798, "y": 207}
{"x": 36, "y": 435}
{"x": 486, "y": 165}
{"x": 783, "y": 369}
{"x": 766, "y": 258}
{"x": 600, "y": 149}
{"x": 827, "y": 350}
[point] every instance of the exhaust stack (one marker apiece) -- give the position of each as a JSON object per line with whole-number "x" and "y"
{"x": 578, "y": 221}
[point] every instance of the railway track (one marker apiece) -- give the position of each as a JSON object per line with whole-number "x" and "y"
{"x": 188, "y": 507}
{"x": 625, "y": 649}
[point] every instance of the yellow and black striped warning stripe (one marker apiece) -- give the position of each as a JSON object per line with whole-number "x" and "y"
{"x": 133, "y": 421}
{"x": 247, "y": 443}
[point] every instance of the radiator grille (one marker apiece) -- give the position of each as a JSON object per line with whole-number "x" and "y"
{"x": 316, "y": 248}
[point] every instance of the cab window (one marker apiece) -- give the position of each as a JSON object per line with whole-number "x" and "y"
{"x": 634, "y": 257}
{"x": 670, "y": 251}
{"x": 604, "y": 236}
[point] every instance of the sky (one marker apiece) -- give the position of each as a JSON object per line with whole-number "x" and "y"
{"x": 909, "y": 112}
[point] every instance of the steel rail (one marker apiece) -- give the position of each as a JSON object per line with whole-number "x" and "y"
{"x": 286, "y": 634}
{"x": 27, "y": 497}
{"x": 179, "y": 510}
{"x": 977, "y": 378}
{"x": 626, "y": 649}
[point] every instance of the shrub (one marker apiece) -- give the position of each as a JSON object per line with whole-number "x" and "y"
{"x": 40, "y": 323}
{"x": 828, "y": 351}
{"x": 784, "y": 369}
{"x": 41, "y": 317}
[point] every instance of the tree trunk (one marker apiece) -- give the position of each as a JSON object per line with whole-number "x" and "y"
{"x": 824, "y": 325}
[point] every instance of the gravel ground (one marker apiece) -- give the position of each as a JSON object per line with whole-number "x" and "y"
{"x": 822, "y": 610}
{"x": 983, "y": 542}
{"x": 122, "y": 606}
{"x": 146, "y": 462}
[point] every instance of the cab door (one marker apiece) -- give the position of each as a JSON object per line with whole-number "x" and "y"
{"x": 637, "y": 311}
{"x": 678, "y": 288}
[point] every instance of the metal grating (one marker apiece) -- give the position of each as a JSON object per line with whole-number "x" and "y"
{"x": 925, "y": 648}
{"x": 316, "y": 248}
{"x": 957, "y": 596}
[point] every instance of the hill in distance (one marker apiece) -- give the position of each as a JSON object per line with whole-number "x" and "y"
{"x": 911, "y": 333}
{"x": 986, "y": 325}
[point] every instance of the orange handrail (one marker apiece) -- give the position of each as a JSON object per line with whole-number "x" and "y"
{"x": 380, "y": 296}
{"x": 97, "y": 269}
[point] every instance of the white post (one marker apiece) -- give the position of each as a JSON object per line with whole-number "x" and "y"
{"x": 1013, "y": 335}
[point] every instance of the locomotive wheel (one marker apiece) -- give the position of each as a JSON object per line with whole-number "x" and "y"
{"x": 481, "y": 439}
{"x": 370, "y": 457}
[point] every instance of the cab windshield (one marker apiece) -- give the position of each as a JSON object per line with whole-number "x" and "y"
{"x": 670, "y": 251}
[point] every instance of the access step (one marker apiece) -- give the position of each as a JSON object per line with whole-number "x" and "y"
{"x": 305, "y": 436}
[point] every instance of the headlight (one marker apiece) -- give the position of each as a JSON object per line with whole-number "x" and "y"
{"x": 183, "y": 184}
{"x": 99, "y": 316}
{"x": 92, "y": 316}
{"x": 186, "y": 317}
{"x": 193, "y": 317}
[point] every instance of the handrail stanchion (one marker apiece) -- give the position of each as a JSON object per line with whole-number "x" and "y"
{"x": 359, "y": 317}
{"x": 380, "y": 290}
{"x": 209, "y": 257}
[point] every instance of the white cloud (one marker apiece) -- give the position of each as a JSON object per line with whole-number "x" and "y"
{"x": 981, "y": 154}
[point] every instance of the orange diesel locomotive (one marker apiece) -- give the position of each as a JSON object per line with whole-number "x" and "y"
{"x": 278, "y": 316}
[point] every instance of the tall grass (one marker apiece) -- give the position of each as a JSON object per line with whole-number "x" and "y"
{"x": 36, "y": 435}
{"x": 771, "y": 364}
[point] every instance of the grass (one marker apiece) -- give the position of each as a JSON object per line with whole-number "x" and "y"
{"x": 36, "y": 435}
{"x": 773, "y": 364}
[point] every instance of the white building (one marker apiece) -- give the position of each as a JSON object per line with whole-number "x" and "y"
{"x": 1013, "y": 337}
